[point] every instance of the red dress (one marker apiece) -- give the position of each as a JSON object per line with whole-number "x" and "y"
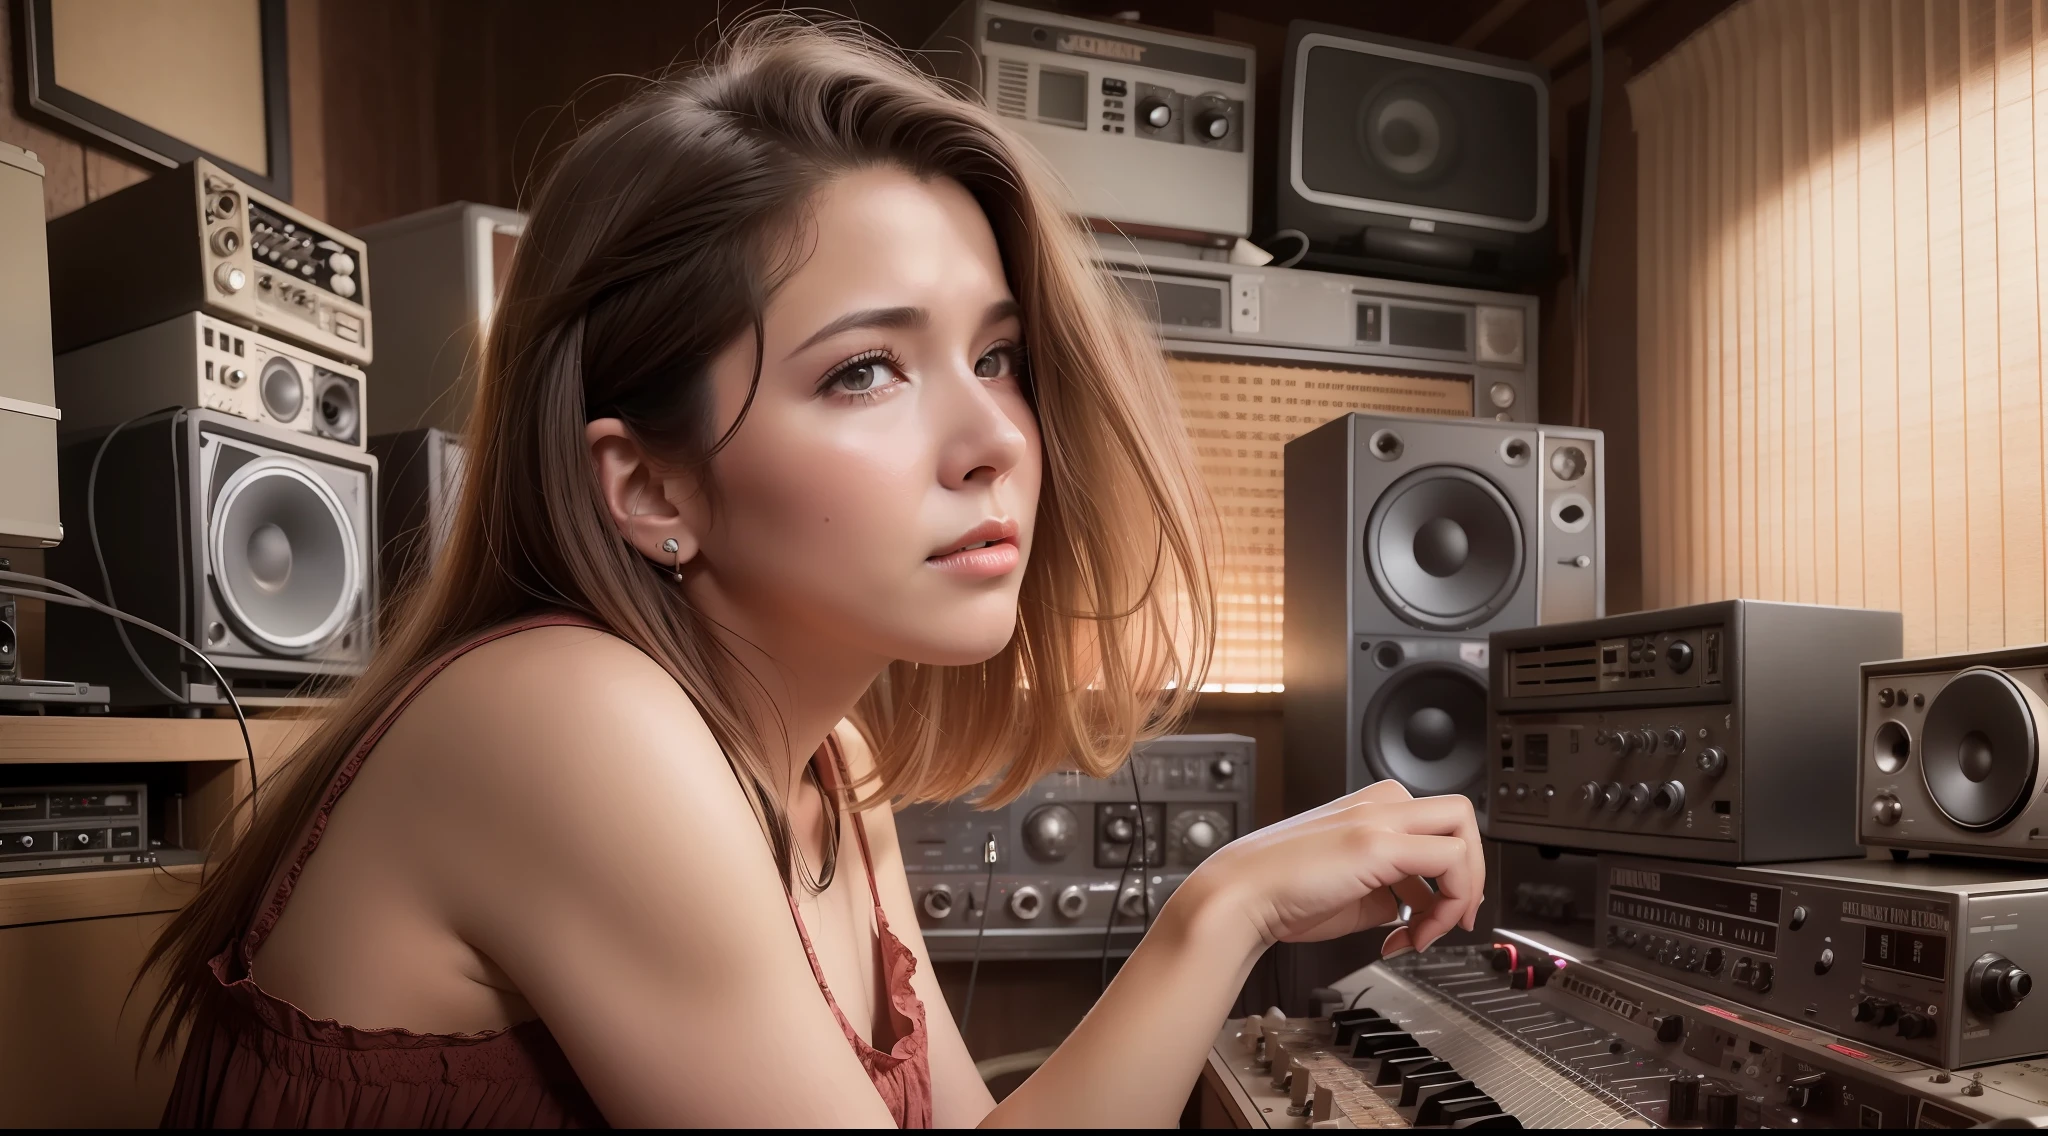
{"x": 263, "y": 1063}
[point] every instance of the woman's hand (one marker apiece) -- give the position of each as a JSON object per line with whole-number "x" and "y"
{"x": 1350, "y": 865}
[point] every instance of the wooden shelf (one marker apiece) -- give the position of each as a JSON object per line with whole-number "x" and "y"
{"x": 53, "y": 738}
{"x": 95, "y": 895}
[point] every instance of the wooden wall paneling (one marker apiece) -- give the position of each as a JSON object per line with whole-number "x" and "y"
{"x": 69, "y": 1056}
{"x": 2018, "y": 315}
{"x": 1949, "y": 358}
{"x": 308, "y": 106}
{"x": 1914, "y": 287}
{"x": 1878, "y": 314}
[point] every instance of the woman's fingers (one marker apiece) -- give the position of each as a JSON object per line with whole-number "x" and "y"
{"x": 1445, "y": 859}
{"x": 1448, "y": 816}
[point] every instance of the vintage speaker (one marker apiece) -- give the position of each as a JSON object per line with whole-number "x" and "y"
{"x": 1408, "y": 540}
{"x": 254, "y": 543}
{"x": 1400, "y": 158}
{"x": 28, "y": 411}
{"x": 1951, "y": 754}
{"x": 419, "y": 481}
{"x": 439, "y": 275}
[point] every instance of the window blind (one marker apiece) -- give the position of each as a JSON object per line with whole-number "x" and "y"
{"x": 1842, "y": 210}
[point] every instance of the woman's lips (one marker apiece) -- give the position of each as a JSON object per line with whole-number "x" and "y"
{"x": 987, "y": 561}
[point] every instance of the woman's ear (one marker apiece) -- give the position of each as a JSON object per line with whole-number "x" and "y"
{"x": 650, "y": 507}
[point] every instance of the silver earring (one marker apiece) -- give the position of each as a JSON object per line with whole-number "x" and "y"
{"x": 670, "y": 546}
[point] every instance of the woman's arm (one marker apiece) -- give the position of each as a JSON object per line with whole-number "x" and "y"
{"x": 1132, "y": 1061}
{"x": 1342, "y": 868}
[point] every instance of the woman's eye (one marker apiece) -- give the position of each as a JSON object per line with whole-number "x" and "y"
{"x": 995, "y": 364}
{"x": 864, "y": 377}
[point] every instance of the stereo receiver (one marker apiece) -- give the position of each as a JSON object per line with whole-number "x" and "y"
{"x": 197, "y": 238}
{"x": 1931, "y": 960}
{"x": 1952, "y": 754}
{"x": 201, "y": 362}
{"x": 68, "y": 828}
{"x": 1150, "y": 129}
{"x": 1723, "y": 731}
{"x": 1075, "y": 852}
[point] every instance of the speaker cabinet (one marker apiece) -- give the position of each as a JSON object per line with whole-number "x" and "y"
{"x": 1400, "y": 158}
{"x": 28, "y": 410}
{"x": 419, "y": 485}
{"x": 1408, "y": 540}
{"x": 1951, "y": 757}
{"x": 253, "y": 543}
{"x": 10, "y": 639}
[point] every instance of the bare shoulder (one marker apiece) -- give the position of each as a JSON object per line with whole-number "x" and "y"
{"x": 556, "y": 721}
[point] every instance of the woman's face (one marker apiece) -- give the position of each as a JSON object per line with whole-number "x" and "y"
{"x": 879, "y": 495}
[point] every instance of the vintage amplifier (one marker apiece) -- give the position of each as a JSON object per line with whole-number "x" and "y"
{"x": 1722, "y": 731}
{"x": 199, "y": 239}
{"x": 1150, "y": 129}
{"x": 1930, "y": 960}
{"x": 73, "y": 827}
{"x": 1076, "y": 854}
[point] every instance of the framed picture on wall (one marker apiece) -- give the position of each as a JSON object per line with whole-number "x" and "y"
{"x": 166, "y": 81}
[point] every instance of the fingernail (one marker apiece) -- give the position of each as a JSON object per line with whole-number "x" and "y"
{"x": 1397, "y": 952}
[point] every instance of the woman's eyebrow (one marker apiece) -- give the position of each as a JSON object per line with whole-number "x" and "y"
{"x": 894, "y": 318}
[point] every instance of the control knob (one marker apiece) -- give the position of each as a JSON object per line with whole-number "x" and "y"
{"x": 1614, "y": 796}
{"x": 1131, "y": 904}
{"x": 1912, "y": 1025}
{"x": 344, "y": 286}
{"x": 1027, "y": 903}
{"x": 1715, "y": 960}
{"x": 1674, "y": 740}
{"x": 1222, "y": 769}
{"x": 1711, "y": 761}
{"x": 1877, "y": 1011}
{"x": 1722, "y": 1109}
{"x": 1669, "y": 798}
{"x": 1072, "y": 903}
{"x": 1213, "y": 125}
{"x": 1639, "y": 797}
{"x": 1683, "y": 1103}
{"x": 341, "y": 264}
{"x": 1996, "y": 984}
{"x": 230, "y": 278}
{"x": 1589, "y": 794}
{"x": 1886, "y": 809}
{"x": 1804, "y": 1092}
{"x": 1668, "y": 1027}
{"x": 1198, "y": 833}
{"x": 938, "y": 902}
{"x": 1050, "y": 832}
{"x": 1155, "y": 113}
{"x": 1745, "y": 970}
{"x": 1679, "y": 656}
{"x": 1761, "y": 981}
{"x": 1118, "y": 830}
{"x": 1646, "y": 740}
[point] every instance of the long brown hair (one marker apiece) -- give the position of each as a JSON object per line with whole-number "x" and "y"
{"x": 655, "y": 243}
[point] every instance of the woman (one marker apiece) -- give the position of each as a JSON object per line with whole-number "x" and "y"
{"x": 813, "y": 467}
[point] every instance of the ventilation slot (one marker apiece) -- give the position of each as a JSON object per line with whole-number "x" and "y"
{"x": 1013, "y": 86}
{"x": 1560, "y": 668}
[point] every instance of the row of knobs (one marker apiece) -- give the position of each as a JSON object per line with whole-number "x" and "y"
{"x": 1670, "y": 952}
{"x": 1668, "y": 798}
{"x": 1028, "y": 903}
{"x": 1710, "y": 761}
{"x": 1883, "y": 1012}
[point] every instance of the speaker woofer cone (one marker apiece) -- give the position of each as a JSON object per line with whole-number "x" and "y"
{"x": 1408, "y": 130}
{"x": 336, "y": 407}
{"x": 1979, "y": 748}
{"x": 1426, "y": 729}
{"x": 1444, "y": 548}
{"x": 282, "y": 389}
{"x": 284, "y": 556}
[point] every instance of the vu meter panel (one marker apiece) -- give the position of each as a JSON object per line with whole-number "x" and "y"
{"x": 1241, "y": 415}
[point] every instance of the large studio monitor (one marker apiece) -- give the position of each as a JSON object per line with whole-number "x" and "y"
{"x": 1399, "y": 158}
{"x": 1408, "y": 540}
{"x": 256, "y": 544}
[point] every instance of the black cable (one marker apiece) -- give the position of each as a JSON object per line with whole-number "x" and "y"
{"x": 1144, "y": 890}
{"x": 1109, "y": 930}
{"x": 1134, "y": 852}
{"x": 67, "y": 596}
{"x": 988, "y": 900}
{"x": 99, "y": 557}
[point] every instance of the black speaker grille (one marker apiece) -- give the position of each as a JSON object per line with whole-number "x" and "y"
{"x": 1444, "y": 548}
{"x": 1426, "y": 728}
{"x": 1394, "y": 130}
{"x": 1979, "y": 749}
